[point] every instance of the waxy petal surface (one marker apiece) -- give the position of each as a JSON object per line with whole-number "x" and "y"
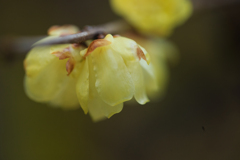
{"x": 98, "y": 109}
{"x": 113, "y": 80}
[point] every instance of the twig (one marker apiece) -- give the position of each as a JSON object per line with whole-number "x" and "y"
{"x": 9, "y": 46}
{"x": 201, "y": 5}
{"x": 89, "y": 32}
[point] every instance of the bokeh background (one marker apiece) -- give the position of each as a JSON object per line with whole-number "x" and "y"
{"x": 197, "y": 119}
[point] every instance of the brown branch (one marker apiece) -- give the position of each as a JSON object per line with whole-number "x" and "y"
{"x": 89, "y": 32}
{"x": 10, "y": 46}
{"x": 201, "y": 5}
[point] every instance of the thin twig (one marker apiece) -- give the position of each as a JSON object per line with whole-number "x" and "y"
{"x": 17, "y": 45}
{"x": 202, "y": 5}
{"x": 89, "y": 32}
{"x": 11, "y": 46}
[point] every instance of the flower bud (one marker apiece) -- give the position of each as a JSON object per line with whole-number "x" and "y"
{"x": 113, "y": 75}
{"x": 51, "y": 72}
{"x": 153, "y": 17}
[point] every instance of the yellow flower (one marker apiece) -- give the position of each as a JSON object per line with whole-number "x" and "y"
{"x": 46, "y": 77}
{"x": 156, "y": 17}
{"x": 112, "y": 74}
{"x": 156, "y": 74}
{"x": 100, "y": 77}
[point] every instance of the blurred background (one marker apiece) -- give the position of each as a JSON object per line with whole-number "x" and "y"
{"x": 197, "y": 119}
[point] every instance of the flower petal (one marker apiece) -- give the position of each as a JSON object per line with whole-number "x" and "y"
{"x": 62, "y": 30}
{"x": 98, "y": 109}
{"x": 66, "y": 95}
{"x": 113, "y": 81}
{"x": 47, "y": 86}
{"x": 82, "y": 87}
{"x": 156, "y": 77}
{"x": 46, "y": 79}
{"x": 95, "y": 44}
{"x": 126, "y": 48}
{"x": 37, "y": 59}
{"x": 138, "y": 79}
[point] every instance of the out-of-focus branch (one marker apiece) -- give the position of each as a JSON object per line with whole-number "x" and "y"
{"x": 89, "y": 32}
{"x": 18, "y": 45}
{"x": 200, "y": 5}
{"x": 10, "y": 46}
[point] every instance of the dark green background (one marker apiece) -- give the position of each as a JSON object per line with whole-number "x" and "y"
{"x": 203, "y": 92}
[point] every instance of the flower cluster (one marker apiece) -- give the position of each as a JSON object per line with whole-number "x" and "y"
{"x": 102, "y": 74}
{"x": 155, "y": 17}
{"x": 100, "y": 77}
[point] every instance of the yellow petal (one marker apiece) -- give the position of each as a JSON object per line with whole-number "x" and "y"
{"x": 142, "y": 53}
{"x": 49, "y": 83}
{"x": 95, "y": 44}
{"x": 98, "y": 109}
{"x": 62, "y": 30}
{"x": 127, "y": 48}
{"x": 37, "y": 59}
{"x": 137, "y": 76}
{"x": 155, "y": 17}
{"x": 61, "y": 49}
{"x": 156, "y": 77}
{"x": 113, "y": 81}
{"x": 82, "y": 87}
{"x": 66, "y": 95}
{"x": 46, "y": 79}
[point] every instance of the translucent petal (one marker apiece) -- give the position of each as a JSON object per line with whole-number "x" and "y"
{"x": 126, "y": 48}
{"x": 82, "y": 87}
{"x": 113, "y": 81}
{"x": 98, "y": 109}
{"x": 60, "y": 47}
{"x": 137, "y": 76}
{"x": 156, "y": 77}
{"x": 150, "y": 77}
{"x": 46, "y": 79}
{"x": 49, "y": 84}
{"x": 37, "y": 59}
{"x": 66, "y": 95}
{"x": 62, "y": 30}
{"x": 155, "y": 17}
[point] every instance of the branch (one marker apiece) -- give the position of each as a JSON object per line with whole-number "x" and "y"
{"x": 89, "y": 32}
{"x": 201, "y": 5}
{"x": 11, "y": 46}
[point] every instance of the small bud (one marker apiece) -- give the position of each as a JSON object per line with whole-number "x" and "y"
{"x": 62, "y": 30}
{"x": 153, "y": 17}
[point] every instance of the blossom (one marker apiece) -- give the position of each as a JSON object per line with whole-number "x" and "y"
{"x": 112, "y": 74}
{"x": 156, "y": 17}
{"x": 100, "y": 78}
{"x": 46, "y": 78}
{"x": 162, "y": 53}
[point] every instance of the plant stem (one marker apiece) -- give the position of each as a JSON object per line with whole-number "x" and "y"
{"x": 202, "y": 5}
{"x": 89, "y": 32}
{"x": 10, "y": 46}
